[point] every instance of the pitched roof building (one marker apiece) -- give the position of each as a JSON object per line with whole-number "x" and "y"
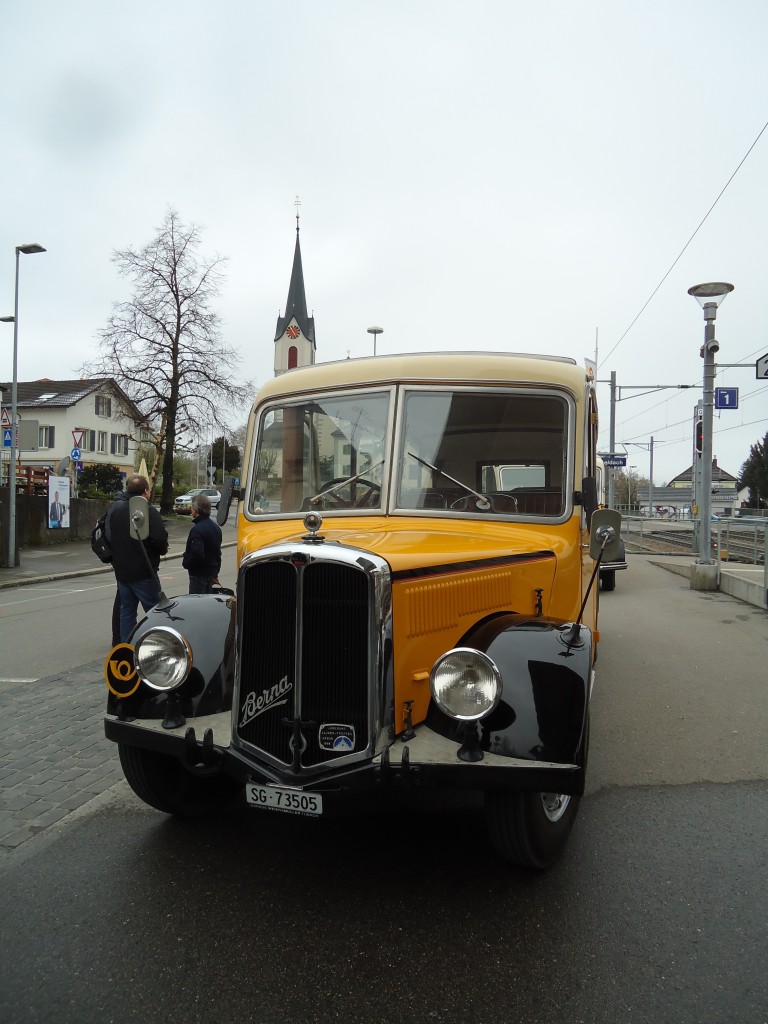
{"x": 719, "y": 477}
{"x": 679, "y": 491}
{"x": 95, "y": 412}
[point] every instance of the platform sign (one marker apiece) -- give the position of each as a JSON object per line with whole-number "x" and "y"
{"x": 726, "y": 398}
{"x": 761, "y": 367}
{"x": 613, "y": 460}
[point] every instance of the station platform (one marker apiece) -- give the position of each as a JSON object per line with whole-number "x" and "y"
{"x": 744, "y": 582}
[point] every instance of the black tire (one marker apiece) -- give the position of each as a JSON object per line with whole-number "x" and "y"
{"x": 608, "y": 580}
{"x": 164, "y": 783}
{"x": 530, "y": 829}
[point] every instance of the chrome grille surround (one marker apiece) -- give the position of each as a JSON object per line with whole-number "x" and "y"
{"x": 313, "y": 648}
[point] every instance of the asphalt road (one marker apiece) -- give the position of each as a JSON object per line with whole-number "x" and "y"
{"x": 398, "y": 912}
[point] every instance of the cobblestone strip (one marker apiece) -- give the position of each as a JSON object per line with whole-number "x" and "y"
{"x": 54, "y": 756}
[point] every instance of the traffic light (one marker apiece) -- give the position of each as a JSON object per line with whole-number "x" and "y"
{"x": 698, "y": 437}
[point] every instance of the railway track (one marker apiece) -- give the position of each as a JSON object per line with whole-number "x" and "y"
{"x": 743, "y": 542}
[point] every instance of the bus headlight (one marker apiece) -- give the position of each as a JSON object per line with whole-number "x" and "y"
{"x": 465, "y": 684}
{"x": 163, "y": 658}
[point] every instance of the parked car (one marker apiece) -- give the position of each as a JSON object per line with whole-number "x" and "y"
{"x": 416, "y": 607}
{"x": 183, "y": 503}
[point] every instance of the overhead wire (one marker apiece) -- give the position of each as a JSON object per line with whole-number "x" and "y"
{"x": 680, "y": 254}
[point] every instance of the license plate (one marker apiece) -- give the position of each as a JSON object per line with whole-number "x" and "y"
{"x": 278, "y": 798}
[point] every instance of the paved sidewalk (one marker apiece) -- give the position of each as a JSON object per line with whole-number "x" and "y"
{"x": 54, "y": 756}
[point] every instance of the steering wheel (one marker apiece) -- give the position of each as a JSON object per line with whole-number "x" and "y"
{"x": 366, "y": 500}
{"x": 500, "y": 502}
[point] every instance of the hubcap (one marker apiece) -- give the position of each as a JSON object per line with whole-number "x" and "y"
{"x": 555, "y": 805}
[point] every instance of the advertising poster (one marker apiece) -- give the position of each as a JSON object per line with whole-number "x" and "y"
{"x": 58, "y": 502}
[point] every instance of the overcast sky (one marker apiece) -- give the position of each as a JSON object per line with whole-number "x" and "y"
{"x": 488, "y": 174}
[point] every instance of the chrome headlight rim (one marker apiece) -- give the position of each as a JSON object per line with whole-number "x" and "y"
{"x": 183, "y": 651}
{"x": 487, "y": 664}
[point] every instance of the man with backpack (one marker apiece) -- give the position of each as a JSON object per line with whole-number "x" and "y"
{"x": 136, "y": 576}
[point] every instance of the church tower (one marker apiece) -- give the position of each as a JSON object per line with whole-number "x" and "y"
{"x": 295, "y": 332}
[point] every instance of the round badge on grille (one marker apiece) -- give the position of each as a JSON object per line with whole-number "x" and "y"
{"x": 336, "y": 737}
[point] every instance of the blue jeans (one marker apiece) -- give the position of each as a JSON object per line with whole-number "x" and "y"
{"x": 146, "y": 591}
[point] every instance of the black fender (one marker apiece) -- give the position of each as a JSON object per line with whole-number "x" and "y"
{"x": 207, "y": 623}
{"x": 546, "y": 676}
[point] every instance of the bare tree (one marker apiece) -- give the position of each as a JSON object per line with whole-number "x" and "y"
{"x": 164, "y": 347}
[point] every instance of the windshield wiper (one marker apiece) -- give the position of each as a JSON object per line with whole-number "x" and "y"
{"x": 482, "y": 501}
{"x": 343, "y": 483}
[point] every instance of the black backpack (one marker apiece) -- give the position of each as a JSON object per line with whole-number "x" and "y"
{"x": 100, "y": 546}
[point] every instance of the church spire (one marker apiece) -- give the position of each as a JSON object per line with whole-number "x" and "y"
{"x": 296, "y": 314}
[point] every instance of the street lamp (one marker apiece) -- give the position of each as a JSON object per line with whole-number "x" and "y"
{"x": 709, "y": 296}
{"x": 375, "y": 331}
{"x": 29, "y": 249}
{"x": 4, "y": 320}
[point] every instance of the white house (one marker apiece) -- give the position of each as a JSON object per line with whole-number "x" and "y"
{"x": 95, "y": 412}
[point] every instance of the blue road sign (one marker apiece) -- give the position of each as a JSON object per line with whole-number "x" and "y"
{"x": 75, "y": 454}
{"x": 7, "y": 438}
{"x": 726, "y": 398}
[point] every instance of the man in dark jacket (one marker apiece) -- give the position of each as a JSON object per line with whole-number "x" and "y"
{"x": 202, "y": 557}
{"x": 136, "y": 582}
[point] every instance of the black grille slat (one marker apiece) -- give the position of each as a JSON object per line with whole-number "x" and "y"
{"x": 334, "y": 653}
{"x": 267, "y": 611}
{"x": 333, "y": 620}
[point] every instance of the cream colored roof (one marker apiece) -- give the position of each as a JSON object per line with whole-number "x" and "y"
{"x": 432, "y": 367}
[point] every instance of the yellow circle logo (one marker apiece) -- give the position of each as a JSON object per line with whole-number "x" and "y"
{"x": 120, "y": 673}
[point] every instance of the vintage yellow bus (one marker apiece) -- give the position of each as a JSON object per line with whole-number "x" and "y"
{"x": 418, "y": 537}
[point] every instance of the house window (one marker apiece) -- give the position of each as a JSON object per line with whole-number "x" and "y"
{"x": 89, "y": 439}
{"x": 46, "y": 437}
{"x": 102, "y": 442}
{"x": 104, "y": 406}
{"x": 118, "y": 444}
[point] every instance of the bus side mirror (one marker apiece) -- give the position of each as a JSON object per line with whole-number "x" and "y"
{"x": 605, "y": 535}
{"x": 222, "y": 512}
{"x": 138, "y": 513}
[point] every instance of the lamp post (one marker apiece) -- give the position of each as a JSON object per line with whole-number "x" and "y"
{"x": 709, "y": 296}
{"x": 4, "y": 320}
{"x": 629, "y": 488}
{"x": 375, "y": 331}
{"x": 29, "y": 249}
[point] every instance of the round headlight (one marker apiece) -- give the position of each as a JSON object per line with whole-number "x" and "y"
{"x": 465, "y": 684}
{"x": 163, "y": 658}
